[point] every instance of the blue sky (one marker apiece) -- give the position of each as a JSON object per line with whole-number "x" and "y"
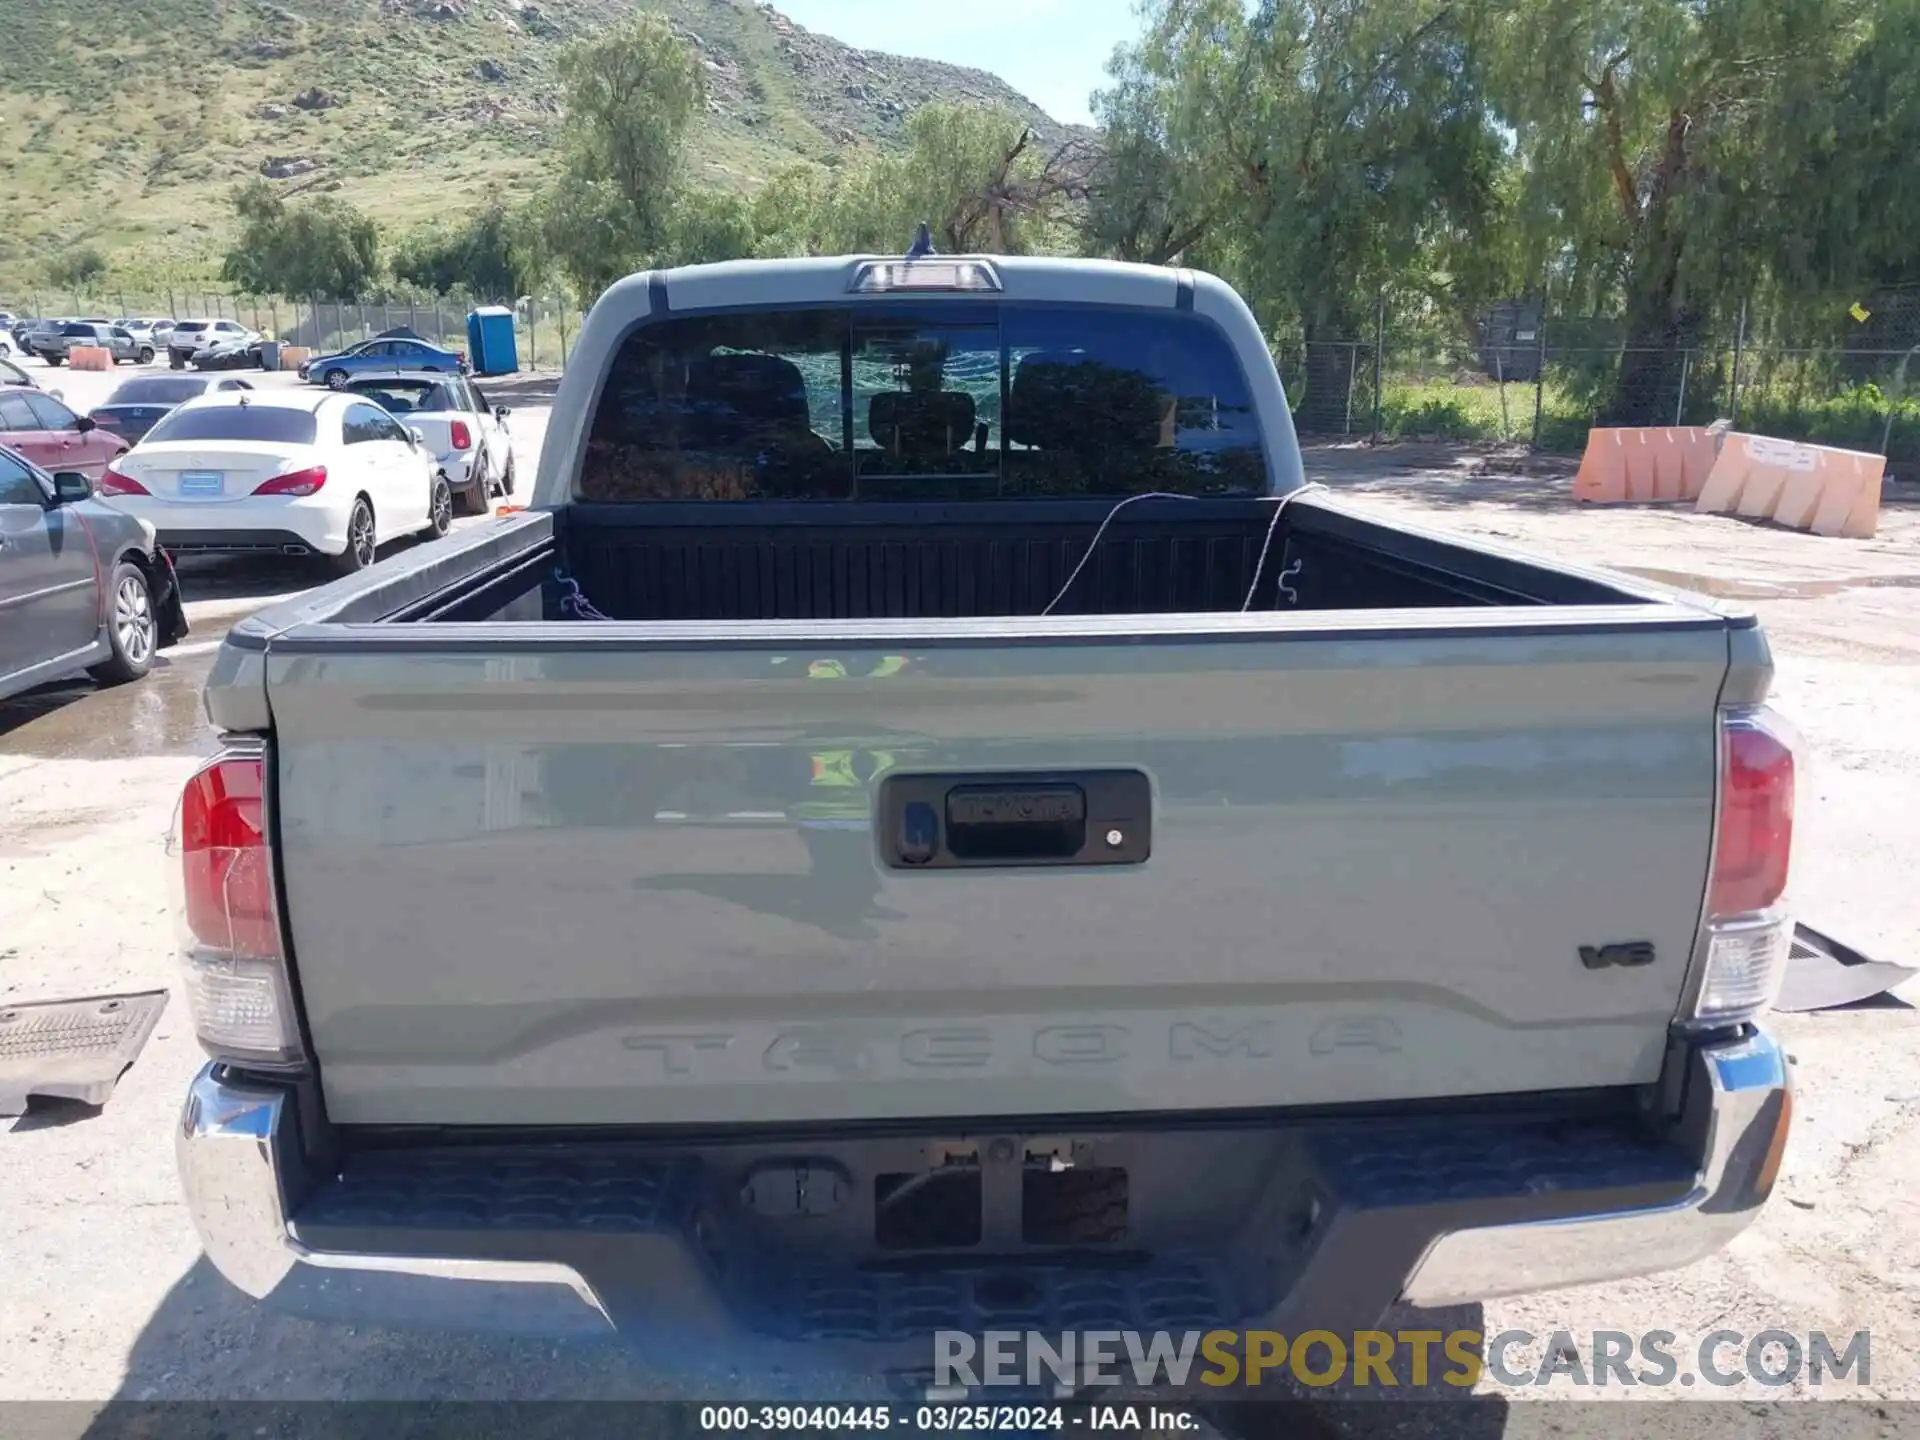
{"x": 1054, "y": 51}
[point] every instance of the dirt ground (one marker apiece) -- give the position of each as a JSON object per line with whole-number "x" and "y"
{"x": 106, "y": 1293}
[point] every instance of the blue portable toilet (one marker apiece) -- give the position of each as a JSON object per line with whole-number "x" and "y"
{"x": 490, "y": 343}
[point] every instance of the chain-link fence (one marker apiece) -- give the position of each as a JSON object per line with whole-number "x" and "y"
{"x": 1839, "y": 371}
{"x": 545, "y": 328}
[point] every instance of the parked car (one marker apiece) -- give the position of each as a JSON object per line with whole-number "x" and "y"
{"x": 12, "y": 374}
{"x": 188, "y": 336}
{"x": 984, "y": 883}
{"x": 138, "y": 405}
{"x": 384, "y": 354}
{"x": 467, "y": 435}
{"x": 8, "y": 344}
{"x": 42, "y": 428}
{"x": 285, "y": 471}
{"x": 83, "y": 586}
{"x": 240, "y": 353}
{"x": 152, "y": 331}
{"x": 55, "y": 346}
{"x": 42, "y": 330}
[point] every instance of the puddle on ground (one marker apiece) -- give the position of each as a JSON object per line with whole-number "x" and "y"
{"x": 1726, "y": 587}
{"x": 77, "y": 720}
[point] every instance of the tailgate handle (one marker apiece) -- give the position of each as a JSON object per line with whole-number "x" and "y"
{"x": 933, "y": 822}
{"x": 1016, "y": 822}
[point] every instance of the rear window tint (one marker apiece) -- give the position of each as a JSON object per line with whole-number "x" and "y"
{"x": 158, "y": 390}
{"x": 273, "y": 424}
{"x": 905, "y": 402}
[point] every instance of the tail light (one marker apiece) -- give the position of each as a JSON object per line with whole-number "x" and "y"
{"x": 1746, "y": 933}
{"x": 236, "y": 968}
{"x": 296, "y": 483}
{"x": 115, "y": 483}
{"x": 462, "y": 436}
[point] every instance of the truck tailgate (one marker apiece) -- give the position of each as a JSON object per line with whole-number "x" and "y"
{"x": 630, "y": 874}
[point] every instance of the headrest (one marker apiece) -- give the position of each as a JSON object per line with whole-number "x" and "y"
{"x": 731, "y": 396}
{"x": 921, "y": 424}
{"x": 1070, "y": 400}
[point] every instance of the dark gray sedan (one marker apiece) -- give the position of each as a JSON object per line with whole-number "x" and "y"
{"x": 139, "y": 405}
{"x": 83, "y": 586}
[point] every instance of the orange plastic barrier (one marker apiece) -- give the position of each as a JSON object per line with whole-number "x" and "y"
{"x": 90, "y": 357}
{"x": 1623, "y": 466}
{"x": 1807, "y": 487}
{"x": 292, "y": 357}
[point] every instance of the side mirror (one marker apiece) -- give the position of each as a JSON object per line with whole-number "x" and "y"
{"x": 84, "y": 423}
{"x": 500, "y": 412}
{"x": 419, "y": 437}
{"x": 71, "y": 485}
{"x": 58, "y": 394}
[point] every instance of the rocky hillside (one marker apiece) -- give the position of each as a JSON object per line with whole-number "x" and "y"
{"x": 129, "y": 133}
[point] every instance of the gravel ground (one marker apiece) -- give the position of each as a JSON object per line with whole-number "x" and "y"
{"x": 106, "y": 1294}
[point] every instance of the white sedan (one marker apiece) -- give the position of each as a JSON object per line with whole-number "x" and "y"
{"x": 282, "y": 471}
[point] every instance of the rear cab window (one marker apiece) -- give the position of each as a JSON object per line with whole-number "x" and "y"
{"x": 946, "y": 401}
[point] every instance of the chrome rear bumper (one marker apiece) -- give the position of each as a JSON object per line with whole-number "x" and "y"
{"x": 246, "y": 1178}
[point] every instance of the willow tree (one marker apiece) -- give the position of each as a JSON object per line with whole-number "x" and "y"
{"x": 1667, "y": 146}
{"x": 1313, "y": 150}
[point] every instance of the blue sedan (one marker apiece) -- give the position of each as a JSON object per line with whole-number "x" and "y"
{"x": 383, "y": 355}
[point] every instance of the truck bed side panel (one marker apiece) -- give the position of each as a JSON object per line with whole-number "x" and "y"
{"x": 638, "y": 883}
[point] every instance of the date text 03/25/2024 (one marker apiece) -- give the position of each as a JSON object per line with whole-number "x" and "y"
{"x": 723, "y": 1419}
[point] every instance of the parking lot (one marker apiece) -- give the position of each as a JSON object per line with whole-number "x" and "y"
{"x": 109, "y": 1296}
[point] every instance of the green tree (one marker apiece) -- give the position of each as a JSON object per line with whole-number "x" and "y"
{"x": 1311, "y": 150}
{"x": 491, "y": 253}
{"x": 708, "y": 225}
{"x": 630, "y": 93}
{"x": 78, "y": 270}
{"x": 1669, "y": 148}
{"x": 322, "y": 247}
{"x": 976, "y": 175}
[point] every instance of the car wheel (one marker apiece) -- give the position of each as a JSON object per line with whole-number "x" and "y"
{"x": 53, "y": 361}
{"x": 440, "y": 508}
{"x": 146, "y": 354}
{"x": 131, "y": 628}
{"x": 360, "y": 550}
{"x": 336, "y": 379}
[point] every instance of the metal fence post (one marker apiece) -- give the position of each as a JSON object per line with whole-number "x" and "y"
{"x": 1379, "y": 352}
{"x": 1680, "y": 400}
{"x": 1893, "y": 400}
{"x": 1353, "y": 365}
{"x": 1539, "y": 373}
{"x": 1500, "y": 378}
{"x": 1739, "y": 345}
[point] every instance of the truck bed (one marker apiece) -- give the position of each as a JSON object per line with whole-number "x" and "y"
{"x": 652, "y": 870}
{"x": 753, "y": 562}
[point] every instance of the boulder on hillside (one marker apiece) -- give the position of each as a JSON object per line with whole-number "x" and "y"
{"x": 315, "y": 98}
{"x": 269, "y": 112}
{"x": 285, "y": 167}
{"x": 490, "y": 70}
